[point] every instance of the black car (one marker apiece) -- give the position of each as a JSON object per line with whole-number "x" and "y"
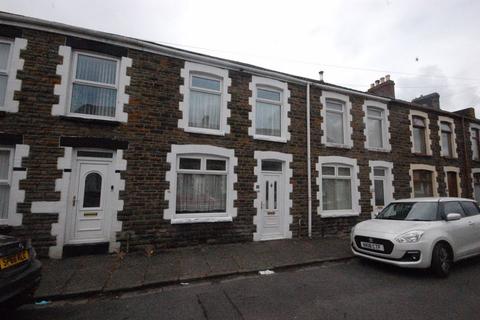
{"x": 20, "y": 272}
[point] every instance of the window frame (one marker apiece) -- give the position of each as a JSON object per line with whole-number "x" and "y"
{"x": 428, "y": 142}
{"x": 271, "y": 85}
{"x": 347, "y": 119}
{"x": 475, "y": 128}
{"x": 453, "y": 137}
{"x": 8, "y": 182}
{"x": 425, "y": 167}
{"x": 385, "y": 125}
{"x": 456, "y": 170}
{"x": 472, "y": 176}
{"x": 191, "y": 69}
{"x": 388, "y": 187}
{"x": 7, "y": 71}
{"x": 355, "y": 183}
{"x": 203, "y": 152}
{"x": 73, "y": 80}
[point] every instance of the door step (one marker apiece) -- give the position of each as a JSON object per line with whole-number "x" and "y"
{"x": 74, "y": 250}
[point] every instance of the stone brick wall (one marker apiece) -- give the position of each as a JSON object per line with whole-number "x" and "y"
{"x": 153, "y": 114}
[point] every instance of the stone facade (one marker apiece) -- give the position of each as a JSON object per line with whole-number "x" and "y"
{"x": 152, "y": 127}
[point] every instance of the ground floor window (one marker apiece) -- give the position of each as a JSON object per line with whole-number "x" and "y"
{"x": 6, "y": 159}
{"x": 201, "y": 182}
{"x": 476, "y": 186}
{"x": 338, "y": 187}
{"x": 422, "y": 183}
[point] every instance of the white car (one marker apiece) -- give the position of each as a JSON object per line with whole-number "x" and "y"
{"x": 421, "y": 233}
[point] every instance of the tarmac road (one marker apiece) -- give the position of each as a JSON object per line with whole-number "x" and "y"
{"x": 355, "y": 289}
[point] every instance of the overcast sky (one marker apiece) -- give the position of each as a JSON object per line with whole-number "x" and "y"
{"x": 426, "y": 46}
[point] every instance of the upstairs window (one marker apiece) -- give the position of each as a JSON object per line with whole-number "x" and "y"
{"x": 94, "y": 85}
{"x": 375, "y": 125}
{"x": 205, "y": 102}
{"x": 5, "y": 49}
{"x": 475, "y": 134}
{"x": 446, "y": 139}
{"x": 422, "y": 183}
{"x": 6, "y": 160}
{"x": 335, "y": 121}
{"x": 419, "y": 128}
{"x": 268, "y": 112}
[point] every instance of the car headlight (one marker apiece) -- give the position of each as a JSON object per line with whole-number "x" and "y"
{"x": 410, "y": 236}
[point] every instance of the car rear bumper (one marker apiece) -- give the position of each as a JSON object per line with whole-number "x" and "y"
{"x": 24, "y": 283}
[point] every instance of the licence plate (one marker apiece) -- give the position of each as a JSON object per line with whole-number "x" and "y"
{"x": 372, "y": 246}
{"x": 15, "y": 259}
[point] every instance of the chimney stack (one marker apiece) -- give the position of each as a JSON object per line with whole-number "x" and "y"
{"x": 383, "y": 87}
{"x": 431, "y": 100}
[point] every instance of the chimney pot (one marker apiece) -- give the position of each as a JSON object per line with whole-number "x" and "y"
{"x": 377, "y": 82}
{"x": 320, "y": 73}
{"x": 372, "y": 85}
{"x": 387, "y": 77}
{"x": 382, "y": 80}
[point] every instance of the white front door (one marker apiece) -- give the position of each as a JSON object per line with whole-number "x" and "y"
{"x": 89, "y": 206}
{"x": 272, "y": 205}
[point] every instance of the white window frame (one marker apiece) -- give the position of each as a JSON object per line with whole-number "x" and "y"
{"x": 451, "y": 122}
{"x": 388, "y": 186}
{"x": 474, "y": 171}
{"x": 67, "y": 70}
{"x": 426, "y": 167}
{"x": 428, "y": 141}
{"x": 385, "y": 125}
{"x": 14, "y": 64}
{"x": 270, "y": 84}
{"x": 355, "y": 183}
{"x": 457, "y": 176}
{"x": 8, "y": 182}
{"x": 206, "y": 71}
{"x": 472, "y": 140}
{"x": 74, "y": 80}
{"x": 16, "y": 195}
{"x": 347, "y": 119}
{"x": 206, "y": 152}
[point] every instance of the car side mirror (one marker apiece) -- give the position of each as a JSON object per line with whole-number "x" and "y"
{"x": 453, "y": 216}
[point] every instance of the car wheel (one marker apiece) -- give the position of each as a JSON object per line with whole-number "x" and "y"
{"x": 441, "y": 260}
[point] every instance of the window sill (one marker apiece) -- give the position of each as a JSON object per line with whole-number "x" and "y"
{"x": 75, "y": 118}
{"x": 200, "y": 220}
{"x": 205, "y": 131}
{"x": 269, "y": 138}
{"x": 338, "y": 213}
{"x": 421, "y": 154}
{"x": 378, "y": 149}
{"x": 336, "y": 145}
{"x": 450, "y": 158}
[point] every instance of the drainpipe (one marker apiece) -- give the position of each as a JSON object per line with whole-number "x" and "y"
{"x": 309, "y": 171}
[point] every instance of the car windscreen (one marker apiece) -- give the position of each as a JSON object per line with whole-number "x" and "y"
{"x": 411, "y": 211}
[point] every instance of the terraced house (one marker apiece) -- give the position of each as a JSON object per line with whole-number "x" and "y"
{"x": 114, "y": 143}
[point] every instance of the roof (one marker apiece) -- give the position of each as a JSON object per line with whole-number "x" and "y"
{"x": 433, "y": 199}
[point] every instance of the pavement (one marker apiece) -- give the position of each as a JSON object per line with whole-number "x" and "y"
{"x": 87, "y": 276}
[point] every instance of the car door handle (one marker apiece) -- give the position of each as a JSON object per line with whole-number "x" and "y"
{"x": 471, "y": 223}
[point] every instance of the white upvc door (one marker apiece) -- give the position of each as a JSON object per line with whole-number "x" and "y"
{"x": 90, "y": 202}
{"x": 272, "y": 203}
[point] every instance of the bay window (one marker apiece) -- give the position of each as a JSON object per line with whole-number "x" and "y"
{"x": 94, "y": 85}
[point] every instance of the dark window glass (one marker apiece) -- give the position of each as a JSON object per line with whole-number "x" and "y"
{"x": 452, "y": 207}
{"x": 95, "y": 154}
{"x": 271, "y": 165}
{"x": 190, "y": 163}
{"x": 379, "y": 193}
{"x": 470, "y": 208}
{"x": 218, "y": 165}
{"x": 419, "y": 143}
{"x": 422, "y": 183}
{"x": 93, "y": 190}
